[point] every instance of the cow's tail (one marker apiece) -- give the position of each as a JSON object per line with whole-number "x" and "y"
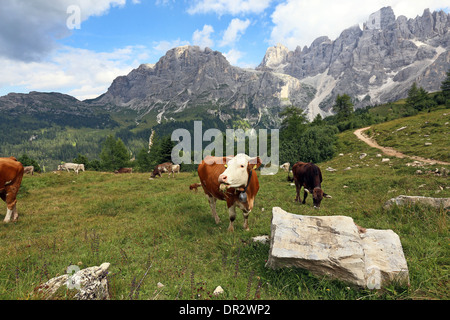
{"x": 289, "y": 178}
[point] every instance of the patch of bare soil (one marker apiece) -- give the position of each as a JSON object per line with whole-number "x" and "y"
{"x": 390, "y": 151}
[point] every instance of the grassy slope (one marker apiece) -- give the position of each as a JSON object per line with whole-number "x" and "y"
{"x": 133, "y": 223}
{"x": 432, "y": 127}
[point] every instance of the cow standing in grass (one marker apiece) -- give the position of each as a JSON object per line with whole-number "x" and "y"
{"x": 309, "y": 176}
{"x": 232, "y": 179}
{"x": 28, "y": 170}
{"x": 11, "y": 174}
{"x": 160, "y": 168}
{"x": 175, "y": 168}
{"x": 70, "y": 166}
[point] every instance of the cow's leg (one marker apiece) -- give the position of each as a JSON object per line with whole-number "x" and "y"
{"x": 9, "y": 196}
{"x": 15, "y": 213}
{"x": 8, "y": 215}
{"x": 246, "y": 214}
{"x": 297, "y": 187}
{"x": 11, "y": 211}
{"x": 212, "y": 204}
{"x": 232, "y": 215}
{"x": 305, "y": 194}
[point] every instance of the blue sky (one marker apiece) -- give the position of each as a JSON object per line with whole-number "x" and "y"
{"x": 41, "y": 51}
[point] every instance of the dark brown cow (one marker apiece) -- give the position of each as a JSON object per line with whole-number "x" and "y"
{"x": 309, "y": 176}
{"x": 124, "y": 170}
{"x": 232, "y": 179}
{"x": 194, "y": 186}
{"x": 160, "y": 168}
{"x": 11, "y": 174}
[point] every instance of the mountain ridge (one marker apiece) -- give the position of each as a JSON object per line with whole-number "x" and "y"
{"x": 188, "y": 76}
{"x": 374, "y": 64}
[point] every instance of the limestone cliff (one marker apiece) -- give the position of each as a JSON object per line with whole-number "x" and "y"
{"x": 374, "y": 64}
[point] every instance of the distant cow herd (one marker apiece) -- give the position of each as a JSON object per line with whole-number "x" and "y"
{"x": 232, "y": 179}
{"x": 71, "y": 166}
{"x": 168, "y": 167}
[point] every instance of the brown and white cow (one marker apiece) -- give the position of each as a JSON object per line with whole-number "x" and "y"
{"x": 175, "y": 168}
{"x": 232, "y": 179}
{"x": 28, "y": 170}
{"x": 194, "y": 186}
{"x": 309, "y": 176}
{"x": 124, "y": 170}
{"x": 285, "y": 166}
{"x": 11, "y": 174}
{"x": 160, "y": 168}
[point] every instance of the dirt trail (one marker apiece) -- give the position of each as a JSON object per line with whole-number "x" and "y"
{"x": 392, "y": 152}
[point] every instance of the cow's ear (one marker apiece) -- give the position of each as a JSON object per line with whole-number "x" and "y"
{"x": 218, "y": 160}
{"x": 225, "y": 160}
{"x": 327, "y": 196}
{"x": 254, "y": 163}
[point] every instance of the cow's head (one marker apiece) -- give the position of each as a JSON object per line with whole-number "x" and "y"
{"x": 237, "y": 170}
{"x": 155, "y": 173}
{"x": 318, "y": 195}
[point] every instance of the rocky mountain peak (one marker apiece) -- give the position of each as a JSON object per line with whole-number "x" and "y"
{"x": 188, "y": 76}
{"x": 377, "y": 64}
{"x": 275, "y": 56}
{"x": 381, "y": 19}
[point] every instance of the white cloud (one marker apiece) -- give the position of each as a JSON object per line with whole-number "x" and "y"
{"x": 233, "y": 7}
{"x": 233, "y": 56}
{"x": 28, "y": 29}
{"x": 299, "y": 22}
{"x": 164, "y": 2}
{"x": 234, "y": 31}
{"x": 202, "y": 38}
{"x": 81, "y": 73}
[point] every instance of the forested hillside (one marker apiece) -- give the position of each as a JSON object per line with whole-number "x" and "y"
{"x": 53, "y": 138}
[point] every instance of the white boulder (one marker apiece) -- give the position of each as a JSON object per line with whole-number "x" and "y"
{"x": 91, "y": 283}
{"x": 335, "y": 247}
{"x": 409, "y": 200}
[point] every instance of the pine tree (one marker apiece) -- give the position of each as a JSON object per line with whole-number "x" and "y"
{"x": 26, "y": 161}
{"x": 318, "y": 120}
{"x": 293, "y": 124}
{"x": 166, "y": 149}
{"x": 114, "y": 154}
{"x": 445, "y": 87}
{"x": 418, "y": 98}
{"x": 144, "y": 161}
{"x": 343, "y": 107}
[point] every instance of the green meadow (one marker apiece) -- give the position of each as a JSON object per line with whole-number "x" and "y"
{"x": 425, "y": 135}
{"x": 158, "y": 231}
